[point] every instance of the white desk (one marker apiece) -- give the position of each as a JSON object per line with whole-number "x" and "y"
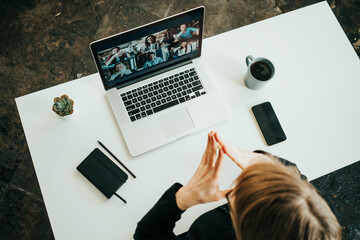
{"x": 315, "y": 94}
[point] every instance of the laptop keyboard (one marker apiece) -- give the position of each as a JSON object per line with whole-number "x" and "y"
{"x": 162, "y": 94}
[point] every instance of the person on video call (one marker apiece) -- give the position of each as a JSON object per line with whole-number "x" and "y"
{"x": 152, "y": 60}
{"x": 151, "y": 43}
{"x": 114, "y": 56}
{"x": 270, "y": 199}
{"x": 186, "y": 32}
{"x": 120, "y": 71}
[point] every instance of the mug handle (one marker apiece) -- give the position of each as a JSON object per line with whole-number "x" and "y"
{"x": 249, "y": 59}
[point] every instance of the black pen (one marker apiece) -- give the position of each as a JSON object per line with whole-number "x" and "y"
{"x": 116, "y": 159}
{"x": 120, "y": 198}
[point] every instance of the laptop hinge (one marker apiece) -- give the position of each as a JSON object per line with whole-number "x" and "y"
{"x": 152, "y": 74}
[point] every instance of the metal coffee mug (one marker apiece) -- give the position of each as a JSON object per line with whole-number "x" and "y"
{"x": 251, "y": 81}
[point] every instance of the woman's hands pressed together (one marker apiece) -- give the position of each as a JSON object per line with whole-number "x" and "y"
{"x": 203, "y": 187}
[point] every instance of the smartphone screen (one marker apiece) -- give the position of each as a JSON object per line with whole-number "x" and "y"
{"x": 268, "y": 123}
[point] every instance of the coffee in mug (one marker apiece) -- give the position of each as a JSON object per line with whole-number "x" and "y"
{"x": 259, "y": 72}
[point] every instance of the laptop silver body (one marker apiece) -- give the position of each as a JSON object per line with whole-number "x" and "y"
{"x": 151, "y": 126}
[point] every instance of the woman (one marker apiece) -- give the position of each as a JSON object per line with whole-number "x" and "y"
{"x": 270, "y": 200}
{"x": 150, "y": 43}
{"x": 120, "y": 70}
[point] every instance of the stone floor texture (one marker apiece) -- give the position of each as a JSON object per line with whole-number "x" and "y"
{"x": 44, "y": 43}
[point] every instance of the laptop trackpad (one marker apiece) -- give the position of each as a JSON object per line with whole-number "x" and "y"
{"x": 176, "y": 122}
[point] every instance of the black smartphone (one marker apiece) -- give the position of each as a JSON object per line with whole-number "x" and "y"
{"x": 268, "y": 123}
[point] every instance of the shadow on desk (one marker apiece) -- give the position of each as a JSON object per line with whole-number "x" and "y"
{"x": 343, "y": 188}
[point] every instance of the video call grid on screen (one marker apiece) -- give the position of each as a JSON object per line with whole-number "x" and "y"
{"x": 133, "y": 54}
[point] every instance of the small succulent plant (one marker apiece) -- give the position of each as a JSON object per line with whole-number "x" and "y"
{"x": 63, "y": 105}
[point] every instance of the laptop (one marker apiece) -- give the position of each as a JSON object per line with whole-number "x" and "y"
{"x": 156, "y": 83}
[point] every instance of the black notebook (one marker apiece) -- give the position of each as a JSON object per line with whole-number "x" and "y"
{"x": 102, "y": 172}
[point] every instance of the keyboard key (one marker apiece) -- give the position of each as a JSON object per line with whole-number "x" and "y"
{"x": 178, "y": 95}
{"x": 130, "y": 108}
{"x": 182, "y": 99}
{"x": 140, "y": 92}
{"x": 184, "y": 87}
{"x": 189, "y": 91}
{"x": 132, "y": 118}
{"x": 149, "y": 112}
{"x": 145, "y": 97}
{"x": 143, "y": 103}
{"x": 187, "y": 97}
{"x": 158, "y": 103}
{"x": 196, "y": 83}
{"x": 148, "y": 100}
{"x": 153, "y": 104}
{"x": 156, "y": 87}
{"x": 153, "y": 99}
{"x": 169, "y": 93}
{"x": 158, "y": 96}
{"x": 133, "y": 112}
{"x": 182, "y": 73}
{"x": 163, "y": 95}
{"x": 137, "y": 105}
{"x": 138, "y": 116}
{"x": 184, "y": 93}
{"x": 203, "y": 92}
{"x": 135, "y": 94}
{"x": 140, "y": 98}
{"x": 168, "y": 99}
{"x": 124, "y": 99}
{"x": 134, "y": 100}
{"x": 181, "y": 78}
{"x": 143, "y": 114}
{"x": 165, "y": 106}
{"x": 196, "y": 77}
{"x": 197, "y": 88}
{"x": 123, "y": 94}
{"x": 173, "y": 97}
{"x": 163, "y": 100}
{"x": 142, "y": 108}
{"x": 197, "y": 93}
{"x": 127, "y": 103}
{"x": 146, "y": 91}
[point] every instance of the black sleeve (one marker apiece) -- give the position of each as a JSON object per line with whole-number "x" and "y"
{"x": 160, "y": 221}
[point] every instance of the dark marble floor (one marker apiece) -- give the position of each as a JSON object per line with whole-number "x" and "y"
{"x": 44, "y": 43}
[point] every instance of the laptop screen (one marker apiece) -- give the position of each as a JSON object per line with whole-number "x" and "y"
{"x": 125, "y": 57}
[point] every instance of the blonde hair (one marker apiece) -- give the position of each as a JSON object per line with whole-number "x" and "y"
{"x": 270, "y": 201}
